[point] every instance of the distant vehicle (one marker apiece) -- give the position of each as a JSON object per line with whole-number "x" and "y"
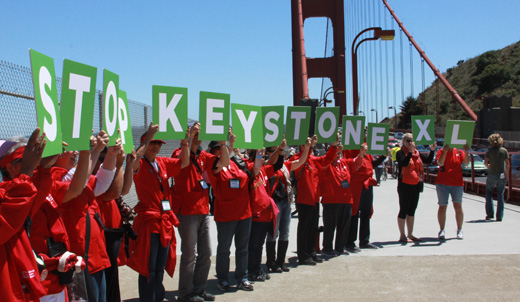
{"x": 398, "y": 135}
{"x": 483, "y": 150}
{"x": 515, "y": 170}
{"x": 433, "y": 167}
{"x": 421, "y": 148}
{"x": 478, "y": 166}
{"x": 440, "y": 141}
{"x": 392, "y": 141}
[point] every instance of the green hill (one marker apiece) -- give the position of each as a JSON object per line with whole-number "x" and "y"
{"x": 494, "y": 72}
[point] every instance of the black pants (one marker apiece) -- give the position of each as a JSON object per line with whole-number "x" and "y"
{"x": 256, "y": 245}
{"x": 408, "y": 199}
{"x": 336, "y": 218}
{"x": 307, "y": 234}
{"x": 363, "y": 216}
{"x": 113, "y": 239}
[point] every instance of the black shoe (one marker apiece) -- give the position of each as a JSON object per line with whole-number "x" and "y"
{"x": 499, "y": 219}
{"x": 264, "y": 275}
{"x": 368, "y": 246}
{"x": 307, "y": 262}
{"x": 353, "y": 248}
{"x": 284, "y": 267}
{"x": 255, "y": 277}
{"x": 329, "y": 253}
{"x": 317, "y": 259}
{"x": 489, "y": 217}
{"x": 223, "y": 286}
{"x": 206, "y": 296}
{"x": 191, "y": 298}
{"x": 273, "y": 267}
{"x": 344, "y": 252}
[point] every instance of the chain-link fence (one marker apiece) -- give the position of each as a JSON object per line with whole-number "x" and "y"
{"x": 18, "y": 110}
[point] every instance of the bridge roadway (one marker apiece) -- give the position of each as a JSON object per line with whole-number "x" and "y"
{"x": 484, "y": 266}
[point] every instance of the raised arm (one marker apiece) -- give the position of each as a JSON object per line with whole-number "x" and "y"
{"x": 152, "y": 129}
{"x": 466, "y": 157}
{"x": 300, "y": 161}
{"x": 117, "y": 183}
{"x": 185, "y": 149}
{"x": 279, "y": 152}
{"x": 101, "y": 141}
{"x": 129, "y": 172}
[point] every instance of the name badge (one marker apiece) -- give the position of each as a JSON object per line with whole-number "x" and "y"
{"x": 165, "y": 203}
{"x": 203, "y": 184}
{"x": 345, "y": 184}
{"x": 234, "y": 183}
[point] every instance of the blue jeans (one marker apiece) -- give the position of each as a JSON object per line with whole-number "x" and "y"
{"x": 283, "y": 222}
{"x": 493, "y": 181}
{"x": 196, "y": 253}
{"x": 97, "y": 286}
{"x": 240, "y": 229}
{"x": 151, "y": 289}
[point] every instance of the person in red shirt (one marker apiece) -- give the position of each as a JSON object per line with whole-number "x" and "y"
{"x": 362, "y": 184}
{"x": 336, "y": 198}
{"x": 280, "y": 189}
{"x": 18, "y": 269}
{"x": 409, "y": 184}
{"x": 450, "y": 182}
{"x": 191, "y": 206}
{"x": 154, "y": 248}
{"x": 80, "y": 215}
{"x": 307, "y": 202}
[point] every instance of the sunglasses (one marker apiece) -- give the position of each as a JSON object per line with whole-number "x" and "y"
{"x": 156, "y": 143}
{"x": 408, "y": 140}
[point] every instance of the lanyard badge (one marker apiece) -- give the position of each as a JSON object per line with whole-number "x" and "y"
{"x": 165, "y": 204}
{"x": 234, "y": 183}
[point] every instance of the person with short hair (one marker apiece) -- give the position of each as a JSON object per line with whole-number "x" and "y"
{"x": 497, "y": 161}
{"x": 450, "y": 182}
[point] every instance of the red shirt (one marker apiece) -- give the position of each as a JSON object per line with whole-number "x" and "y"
{"x": 452, "y": 175}
{"x": 74, "y": 215}
{"x": 17, "y": 263}
{"x": 308, "y": 179}
{"x": 331, "y": 178}
{"x": 188, "y": 196}
{"x": 261, "y": 202}
{"x": 109, "y": 212}
{"x": 152, "y": 187}
{"x": 231, "y": 204}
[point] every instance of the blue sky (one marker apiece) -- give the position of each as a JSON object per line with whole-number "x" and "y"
{"x": 238, "y": 47}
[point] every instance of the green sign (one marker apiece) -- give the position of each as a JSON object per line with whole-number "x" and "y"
{"x": 170, "y": 111}
{"x": 327, "y": 122}
{"x": 423, "y": 129}
{"x": 459, "y": 133}
{"x": 297, "y": 125}
{"x": 214, "y": 116}
{"x": 125, "y": 126}
{"x": 272, "y": 117}
{"x": 377, "y": 138}
{"x": 78, "y": 96}
{"x": 353, "y": 132}
{"x": 110, "y": 105}
{"x": 46, "y": 99}
{"x": 247, "y": 126}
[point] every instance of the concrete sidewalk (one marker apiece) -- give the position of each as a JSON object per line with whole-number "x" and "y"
{"x": 483, "y": 266}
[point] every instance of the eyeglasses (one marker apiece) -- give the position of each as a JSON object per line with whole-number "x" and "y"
{"x": 215, "y": 148}
{"x": 156, "y": 143}
{"x": 408, "y": 140}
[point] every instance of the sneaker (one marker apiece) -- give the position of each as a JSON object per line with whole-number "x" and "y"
{"x": 223, "y": 286}
{"x": 245, "y": 285}
{"x": 442, "y": 235}
{"x": 460, "y": 234}
{"x": 190, "y": 298}
{"x": 206, "y": 296}
{"x": 264, "y": 275}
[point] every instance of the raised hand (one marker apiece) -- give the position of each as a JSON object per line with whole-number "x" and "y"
{"x": 32, "y": 154}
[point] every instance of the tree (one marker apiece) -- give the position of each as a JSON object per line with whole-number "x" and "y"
{"x": 409, "y": 107}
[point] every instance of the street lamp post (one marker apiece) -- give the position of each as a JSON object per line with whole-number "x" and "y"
{"x": 377, "y": 120}
{"x": 395, "y": 116}
{"x": 378, "y": 34}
